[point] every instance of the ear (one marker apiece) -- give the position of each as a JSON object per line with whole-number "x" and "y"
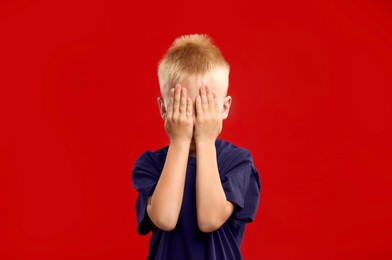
{"x": 226, "y": 107}
{"x": 162, "y": 108}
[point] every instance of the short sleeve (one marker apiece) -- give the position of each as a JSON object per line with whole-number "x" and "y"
{"x": 145, "y": 176}
{"x": 241, "y": 184}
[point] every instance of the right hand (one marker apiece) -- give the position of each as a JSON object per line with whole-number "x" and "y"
{"x": 179, "y": 118}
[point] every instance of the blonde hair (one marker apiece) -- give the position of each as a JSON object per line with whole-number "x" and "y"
{"x": 192, "y": 56}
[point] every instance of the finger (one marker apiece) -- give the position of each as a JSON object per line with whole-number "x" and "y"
{"x": 189, "y": 108}
{"x": 170, "y": 105}
{"x": 204, "y": 102}
{"x": 177, "y": 97}
{"x": 199, "y": 109}
{"x": 183, "y": 101}
{"x": 216, "y": 106}
{"x": 210, "y": 99}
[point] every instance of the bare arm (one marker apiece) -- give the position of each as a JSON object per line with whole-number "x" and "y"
{"x": 213, "y": 209}
{"x": 164, "y": 205}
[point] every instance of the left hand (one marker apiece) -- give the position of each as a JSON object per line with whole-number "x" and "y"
{"x": 208, "y": 123}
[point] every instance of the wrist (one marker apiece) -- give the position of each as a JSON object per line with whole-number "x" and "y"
{"x": 203, "y": 142}
{"x": 180, "y": 142}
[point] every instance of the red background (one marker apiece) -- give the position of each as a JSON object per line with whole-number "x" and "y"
{"x": 312, "y": 100}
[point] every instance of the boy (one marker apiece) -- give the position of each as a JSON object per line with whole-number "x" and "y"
{"x": 197, "y": 194}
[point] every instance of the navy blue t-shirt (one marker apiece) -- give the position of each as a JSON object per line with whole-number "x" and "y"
{"x": 241, "y": 184}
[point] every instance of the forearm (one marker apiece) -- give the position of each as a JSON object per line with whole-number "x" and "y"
{"x": 211, "y": 200}
{"x": 167, "y": 198}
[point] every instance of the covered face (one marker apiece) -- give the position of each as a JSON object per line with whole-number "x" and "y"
{"x": 213, "y": 80}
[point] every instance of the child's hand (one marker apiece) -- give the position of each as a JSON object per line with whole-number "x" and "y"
{"x": 179, "y": 118}
{"x": 208, "y": 120}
